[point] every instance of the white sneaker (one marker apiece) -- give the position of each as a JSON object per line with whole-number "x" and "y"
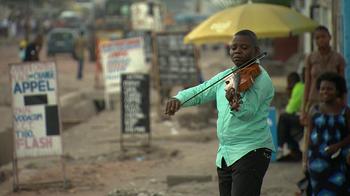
{"x": 279, "y": 153}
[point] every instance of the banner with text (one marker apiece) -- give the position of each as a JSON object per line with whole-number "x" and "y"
{"x": 121, "y": 56}
{"x": 36, "y": 122}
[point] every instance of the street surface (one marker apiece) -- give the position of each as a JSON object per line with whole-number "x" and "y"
{"x": 183, "y": 147}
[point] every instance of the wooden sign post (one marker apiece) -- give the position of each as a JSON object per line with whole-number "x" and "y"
{"x": 36, "y": 119}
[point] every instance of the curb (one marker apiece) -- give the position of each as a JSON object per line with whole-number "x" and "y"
{"x": 76, "y": 107}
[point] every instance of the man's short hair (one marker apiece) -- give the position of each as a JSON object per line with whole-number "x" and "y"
{"x": 250, "y": 34}
{"x": 322, "y": 28}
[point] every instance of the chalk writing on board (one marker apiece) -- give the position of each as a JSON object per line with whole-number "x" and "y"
{"x": 176, "y": 61}
{"x": 135, "y": 103}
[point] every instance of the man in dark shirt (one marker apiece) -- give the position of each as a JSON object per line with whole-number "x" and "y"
{"x": 33, "y": 49}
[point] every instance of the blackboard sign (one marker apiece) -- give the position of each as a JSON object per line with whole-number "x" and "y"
{"x": 135, "y": 103}
{"x": 176, "y": 61}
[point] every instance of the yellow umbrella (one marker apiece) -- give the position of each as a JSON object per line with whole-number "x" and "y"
{"x": 266, "y": 20}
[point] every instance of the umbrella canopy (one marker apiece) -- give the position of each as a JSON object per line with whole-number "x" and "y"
{"x": 266, "y": 20}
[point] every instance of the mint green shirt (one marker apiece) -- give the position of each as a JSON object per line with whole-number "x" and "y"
{"x": 296, "y": 98}
{"x": 239, "y": 132}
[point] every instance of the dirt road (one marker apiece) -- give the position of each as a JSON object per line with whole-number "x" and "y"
{"x": 96, "y": 165}
{"x": 182, "y": 150}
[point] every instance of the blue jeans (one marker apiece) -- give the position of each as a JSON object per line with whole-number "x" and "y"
{"x": 244, "y": 177}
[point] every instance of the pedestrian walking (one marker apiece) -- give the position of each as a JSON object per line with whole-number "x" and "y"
{"x": 79, "y": 50}
{"x": 22, "y": 49}
{"x": 32, "y": 51}
{"x": 245, "y": 141}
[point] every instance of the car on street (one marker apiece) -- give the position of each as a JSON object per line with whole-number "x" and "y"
{"x": 61, "y": 40}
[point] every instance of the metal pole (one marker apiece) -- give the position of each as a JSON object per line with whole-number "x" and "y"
{"x": 346, "y": 40}
{"x": 27, "y": 25}
{"x": 313, "y": 8}
{"x": 15, "y": 175}
{"x": 335, "y": 11}
{"x": 63, "y": 164}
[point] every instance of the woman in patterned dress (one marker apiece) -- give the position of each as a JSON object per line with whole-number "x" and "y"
{"x": 329, "y": 138}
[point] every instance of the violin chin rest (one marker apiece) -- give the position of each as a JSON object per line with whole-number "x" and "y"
{"x": 229, "y": 83}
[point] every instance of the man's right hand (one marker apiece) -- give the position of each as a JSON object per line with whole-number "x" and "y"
{"x": 172, "y": 106}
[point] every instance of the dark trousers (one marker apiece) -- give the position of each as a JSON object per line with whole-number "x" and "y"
{"x": 244, "y": 177}
{"x": 80, "y": 68}
{"x": 288, "y": 128}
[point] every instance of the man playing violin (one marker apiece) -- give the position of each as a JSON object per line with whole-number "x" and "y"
{"x": 245, "y": 141}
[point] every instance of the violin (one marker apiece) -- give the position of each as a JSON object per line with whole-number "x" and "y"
{"x": 240, "y": 82}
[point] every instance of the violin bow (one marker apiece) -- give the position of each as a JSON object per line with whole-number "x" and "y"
{"x": 233, "y": 70}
